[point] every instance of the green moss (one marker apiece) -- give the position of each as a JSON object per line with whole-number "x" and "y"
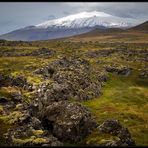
{"x": 98, "y": 138}
{"x": 5, "y": 93}
{"x": 12, "y": 117}
{"x": 30, "y": 140}
{"x": 37, "y": 132}
{"x": 39, "y": 140}
{"x": 1, "y": 109}
{"x": 4, "y": 127}
{"x": 18, "y": 141}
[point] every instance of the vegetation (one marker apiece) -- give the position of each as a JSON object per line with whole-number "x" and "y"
{"x": 123, "y": 97}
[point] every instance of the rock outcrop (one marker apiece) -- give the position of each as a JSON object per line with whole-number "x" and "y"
{"x": 120, "y": 70}
{"x": 67, "y": 121}
{"x": 114, "y": 128}
{"x": 37, "y": 52}
{"x": 19, "y": 81}
{"x": 71, "y": 78}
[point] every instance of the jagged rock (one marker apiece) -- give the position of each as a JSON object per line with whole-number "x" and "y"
{"x": 19, "y": 81}
{"x": 71, "y": 78}
{"x": 67, "y": 121}
{"x": 5, "y": 80}
{"x": 28, "y": 131}
{"x": 143, "y": 74}
{"x": 42, "y": 52}
{"x": 28, "y": 136}
{"x": 120, "y": 70}
{"x": 38, "y": 52}
{"x": 17, "y": 97}
{"x": 114, "y": 128}
{"x": 110, "y": 126}
{"x": 100, "y": 53}
{"x": 3, "y": 100}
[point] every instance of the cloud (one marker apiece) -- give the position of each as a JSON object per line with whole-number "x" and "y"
{"x": 66, "y": 13}
{"x": 127, "y": 10}
{"x": 51, "y": 17}
{"x": 5, "y": 23}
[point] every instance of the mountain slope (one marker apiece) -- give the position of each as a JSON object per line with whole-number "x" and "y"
{"x": 137, "y": 34}
{"x": 68, "y": 26}
{"x": 41, "y": 34}
{"x": 141, "y": 27}
{"x": 100, "y": 32}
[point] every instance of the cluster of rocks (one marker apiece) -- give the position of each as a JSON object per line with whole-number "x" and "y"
{"x": 42, "y": 52}
{"x": 143, "y": 74}
{"x": 68, "y": 121}
{"x": 28, "y": 131}
{"x": 38, "y": 52}
{"x": 13, "y": 100}
{"x": 125, "y": 53}
{"x": 135, "y": 55}
{"x": 58, "y": 117}
{"x": 114, "y": 128}
{"x": 71, "y": 78}
{"x": 19, "y": 81}
{"x": 120, "y": 70}
{"x": 61, "y": 122}
{"x": 101, "y": 53}
{"x": 50, "y": 125}
{"x": 53, "y": 117}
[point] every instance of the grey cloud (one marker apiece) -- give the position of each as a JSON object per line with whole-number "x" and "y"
{"x": 127, "y": 10}
{"x": 50, "y": 17}
{"x": 66, "y": 13}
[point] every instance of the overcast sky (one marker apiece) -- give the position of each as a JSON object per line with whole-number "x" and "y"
{"x": 18, "y": 15}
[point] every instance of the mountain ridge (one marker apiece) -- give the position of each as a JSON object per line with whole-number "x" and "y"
{"x": 69, "y": 26}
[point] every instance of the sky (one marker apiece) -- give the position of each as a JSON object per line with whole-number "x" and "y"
{"x": 16, "y": 15}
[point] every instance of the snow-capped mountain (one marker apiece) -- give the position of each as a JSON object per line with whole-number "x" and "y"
{"x": 88, "y": 19}
{"x": 70, "y": 25}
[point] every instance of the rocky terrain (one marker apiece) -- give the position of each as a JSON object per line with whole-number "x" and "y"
{"x": 53, "y": 95}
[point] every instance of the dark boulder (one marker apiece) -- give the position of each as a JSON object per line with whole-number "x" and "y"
{"x": 19, "y": 81}
{"x": 67, "y": 121}
{"x": 3, "y": 100}
{"x": 120, "y": 70}
{"x": 42, "y": 52}
{"x": 114, "y": 128}
{"x": 143, "y": 74}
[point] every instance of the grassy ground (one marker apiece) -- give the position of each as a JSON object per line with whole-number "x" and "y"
{"x": 125, "y": 99}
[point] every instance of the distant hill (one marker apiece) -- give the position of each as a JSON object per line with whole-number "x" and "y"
{"x": 100, "y": 32}
{"x": 141, "y": 27}
{"x": 138, "y": 34}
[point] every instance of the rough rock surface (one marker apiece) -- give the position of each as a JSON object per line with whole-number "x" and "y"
{"x": 120, "y": 70}
{"x": 114, "y": 128}
{"x": 42, "y": 52}
{"x": 100, "y": 53}
{"x": 38, "y": 52}
{"x": 67, "y": 121}
{"x": 144, "y": 74}
{"x": 71, "y": 78}
{"x": 29, "y": 132}
{"x": 123, "y": 52}
{"x": 20, "y": 81}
